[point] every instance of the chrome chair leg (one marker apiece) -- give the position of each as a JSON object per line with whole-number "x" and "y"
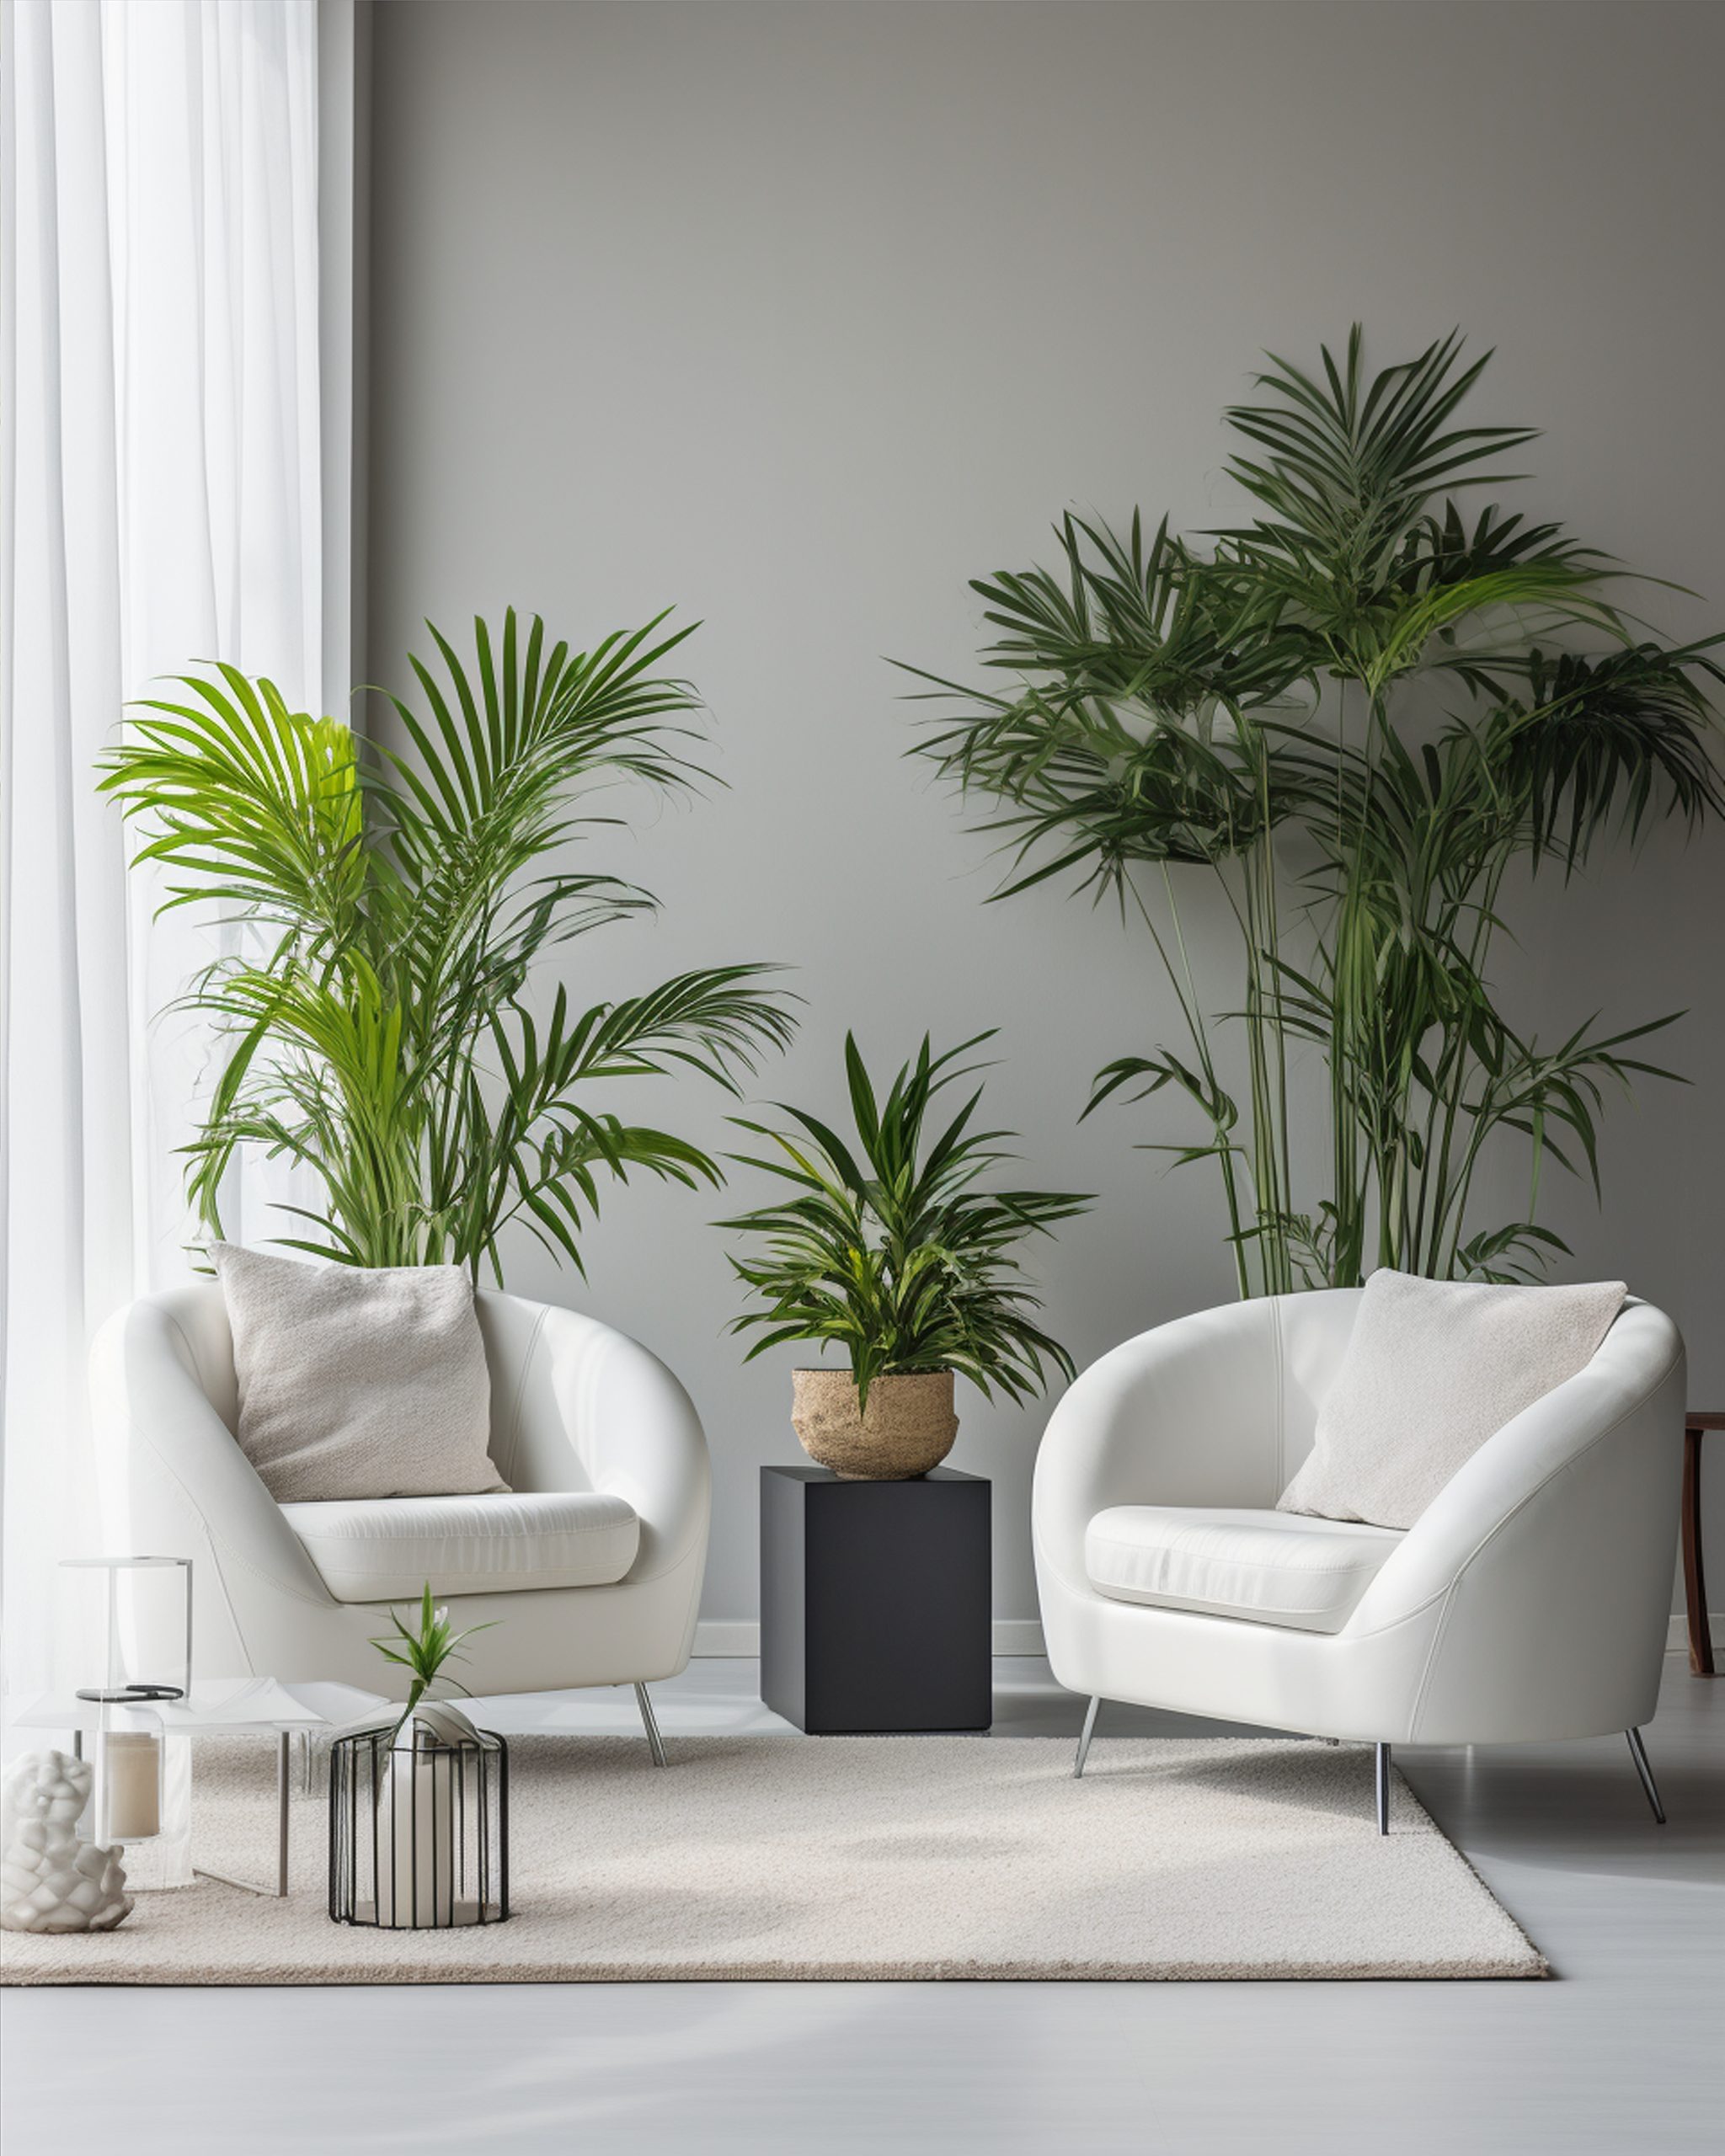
{"x": 1638, "y": 1753}
{"x": 1383, "y": 1788}
{"x": 654, "y": 1741}
{"x": 1089, "y": 1731}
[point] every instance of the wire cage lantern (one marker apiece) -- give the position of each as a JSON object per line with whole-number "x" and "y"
{"x": 419, "y": 1825}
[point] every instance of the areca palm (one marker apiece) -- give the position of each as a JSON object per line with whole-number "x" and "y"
{"x": 379, "y": 1028}
{"x": 1357, "y": 574}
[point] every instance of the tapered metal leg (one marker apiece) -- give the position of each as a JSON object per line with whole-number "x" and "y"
{"x": 304, "y": 1741}
{"x": 1638, "y": 1753}
{"x": 1383, "y": 1785}
{"x": 652, "y": 1737}
{"x": 1089, "y": 1731}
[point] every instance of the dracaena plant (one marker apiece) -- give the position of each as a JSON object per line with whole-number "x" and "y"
{"x": 887, "y": 1246}
{"x": 1237, "y": 709}
{"x": 425, "y": 1652}
{"x": 394, "y": 905}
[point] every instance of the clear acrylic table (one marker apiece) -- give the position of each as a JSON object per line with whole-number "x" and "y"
{"x": 233, "y": 1706}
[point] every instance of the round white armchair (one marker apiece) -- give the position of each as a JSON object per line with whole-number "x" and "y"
{"x": 1530, "y": 1600}
{"x": 590, "y": 1573}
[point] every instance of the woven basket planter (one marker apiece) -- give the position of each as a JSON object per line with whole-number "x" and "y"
{"x": 908, "y": 1428}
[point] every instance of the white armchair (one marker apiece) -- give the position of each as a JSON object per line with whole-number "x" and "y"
{"x": 1530, "y": 1601}
{"x": 592, "y": 1571}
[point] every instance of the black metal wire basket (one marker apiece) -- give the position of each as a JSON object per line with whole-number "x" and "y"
{"x": 418, "y": 1828}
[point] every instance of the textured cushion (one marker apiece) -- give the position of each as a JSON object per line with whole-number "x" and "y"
{"x": 1432, "y": 1369}
{"x": 358, "y": 1383}
{"x": 1262, "y": 1566}
{"x": 386, "y": 1548}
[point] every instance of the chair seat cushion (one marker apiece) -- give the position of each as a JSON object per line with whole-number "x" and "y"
{"x": 386, "y": 1548}
{"x": 1268, "y": 1567}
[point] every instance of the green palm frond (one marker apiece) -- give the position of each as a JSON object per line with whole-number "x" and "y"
{"x": 1441, "y": 548}
{"x": 1594, "y": 739}
{"x": 1362, "y": 546}
{"x": 1353, "y": 463}
{"x": 256, "y": 806}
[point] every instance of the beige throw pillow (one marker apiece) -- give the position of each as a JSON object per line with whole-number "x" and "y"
{"x": 358, "y": 1383}
{"x": 1433, "y": 1367}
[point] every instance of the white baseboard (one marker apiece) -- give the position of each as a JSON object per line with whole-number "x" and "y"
{"x": 728, "y": 1635}
{"x": 740, "y": 1637}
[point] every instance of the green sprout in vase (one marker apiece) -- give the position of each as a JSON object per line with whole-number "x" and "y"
{"x": 424, "y": 1652}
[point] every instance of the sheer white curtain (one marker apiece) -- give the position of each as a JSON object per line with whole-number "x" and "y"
{"x": 170, "y": 471}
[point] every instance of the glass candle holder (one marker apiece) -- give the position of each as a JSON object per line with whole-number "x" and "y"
{"x": 141, "y": 1792}
{"x": 128, "y": 1801}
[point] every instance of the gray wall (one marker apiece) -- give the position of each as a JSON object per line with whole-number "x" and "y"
{"x": 799, "y": 316}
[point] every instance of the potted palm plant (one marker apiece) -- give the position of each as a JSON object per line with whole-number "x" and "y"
{"x": 887, "y": 1250}
{"x": 377, "y": 1022}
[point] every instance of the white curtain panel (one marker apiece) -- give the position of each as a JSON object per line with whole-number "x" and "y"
{"x": 168, "y": 477}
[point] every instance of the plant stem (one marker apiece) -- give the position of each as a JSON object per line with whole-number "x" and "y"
{"x": 1188, "y": 999}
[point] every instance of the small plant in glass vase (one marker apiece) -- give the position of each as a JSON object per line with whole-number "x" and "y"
{"x": 886, "y": 1248}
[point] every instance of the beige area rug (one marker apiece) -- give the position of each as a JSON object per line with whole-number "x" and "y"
{"x": 871, "y": 1858}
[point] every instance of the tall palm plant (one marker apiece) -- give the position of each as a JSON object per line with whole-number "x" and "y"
{"x": 1274, "y": 661}
{"x": 379, "y": 1028}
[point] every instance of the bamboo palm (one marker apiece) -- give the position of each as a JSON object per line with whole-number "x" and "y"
{"x": 1157, "y": 687}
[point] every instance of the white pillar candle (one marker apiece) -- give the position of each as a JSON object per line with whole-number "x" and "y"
{"x": 166, "y": 1862}
{"x": 129, "y": 1774}
{"x": 416, "y": 1839}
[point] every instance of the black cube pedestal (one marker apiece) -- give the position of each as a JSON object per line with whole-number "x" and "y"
{"x": 875, "y": 1602}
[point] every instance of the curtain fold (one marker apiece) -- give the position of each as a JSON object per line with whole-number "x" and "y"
{"x": 167, "y": 483}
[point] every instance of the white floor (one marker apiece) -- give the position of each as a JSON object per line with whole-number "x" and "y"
{"x": 1621, "y": 2055}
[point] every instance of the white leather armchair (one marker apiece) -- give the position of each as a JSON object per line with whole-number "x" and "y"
{"x": 598, "y": 1435}
{"x": 1529, "y": 1601}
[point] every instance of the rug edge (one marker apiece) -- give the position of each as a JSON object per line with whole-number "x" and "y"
{"x": 1532, "y": 1969}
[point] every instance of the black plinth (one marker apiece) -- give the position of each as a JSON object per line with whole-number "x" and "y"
{"x": 875, "y": 1602}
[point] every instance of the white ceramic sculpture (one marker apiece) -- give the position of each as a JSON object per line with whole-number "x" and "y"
{"x": 50, "y": 1881}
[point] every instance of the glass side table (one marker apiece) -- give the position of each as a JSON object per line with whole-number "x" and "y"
{"x": 232, "y": 1706}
